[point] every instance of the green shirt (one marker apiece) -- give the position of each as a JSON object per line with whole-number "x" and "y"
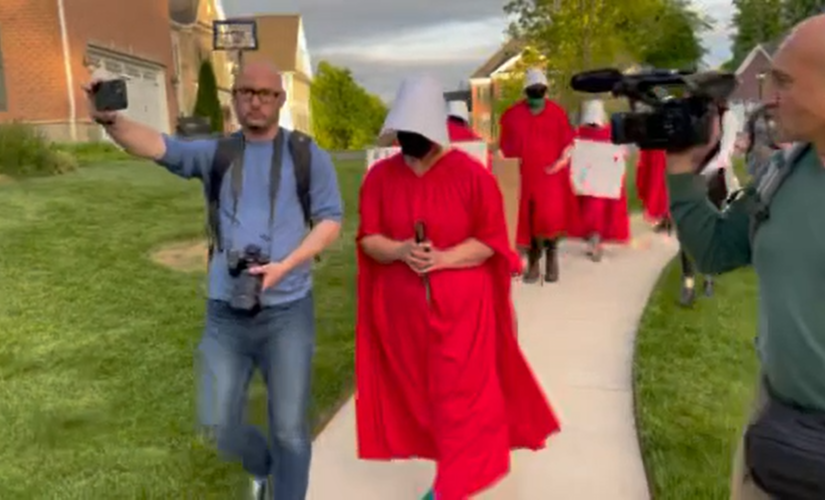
{"x": 788, "y": 255}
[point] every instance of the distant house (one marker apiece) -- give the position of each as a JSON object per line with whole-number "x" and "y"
{"x": 484, "y": 89}
{"x": 752, "y": 76}
{"x": 46, "y": 53}
{"x": 191, "y": 45}
{"x": 281, "y": 41}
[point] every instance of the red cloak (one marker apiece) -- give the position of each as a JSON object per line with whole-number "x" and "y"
{"x": 547, "y": 207}
{"x": 462, "y": 133}
{"x": 603, "y": 216}
{"x": 651, "y": 184}
{"x": 445, "y": 381}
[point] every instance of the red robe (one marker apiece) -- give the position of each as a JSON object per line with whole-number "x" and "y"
{"x": 651, "y": 184}
{"x": 548, "y": 207}
{"x": 446, "y": 382}
{"x": 603, "y": 216}
{"x": 463, "y": 133}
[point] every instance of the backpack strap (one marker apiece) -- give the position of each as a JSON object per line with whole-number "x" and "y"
{"x": 300, "y": 148}
{"x": 301, "y": 152}
{"x": 228, "y": 151}
{"x": 769, "y": 179}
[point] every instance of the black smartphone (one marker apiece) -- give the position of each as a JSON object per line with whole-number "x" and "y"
{"x": 110, "y": 95}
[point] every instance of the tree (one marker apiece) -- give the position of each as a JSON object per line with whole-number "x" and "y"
{"x": 207, "y": 104}
{"x": 675, "y": 42}
{"x": 344, "y": 114}
{"x": 576, "y": 35}
{"x": 795, "y": 11}
{"x": 756, "y": 21}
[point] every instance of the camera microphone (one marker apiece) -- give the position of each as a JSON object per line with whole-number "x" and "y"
{"x": 597, "y": 81}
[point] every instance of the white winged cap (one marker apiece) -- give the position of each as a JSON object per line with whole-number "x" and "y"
{"x": 419, "y": 108}
{"x": 458, "y": 109}
{"x": 593, "y": 112}
{"x": 533, "y": 77}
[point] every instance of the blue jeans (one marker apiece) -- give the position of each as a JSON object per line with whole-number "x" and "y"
{"x": 280, "y": 341}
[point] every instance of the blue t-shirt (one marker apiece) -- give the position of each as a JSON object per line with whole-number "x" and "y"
{"x": 193, "y": 159}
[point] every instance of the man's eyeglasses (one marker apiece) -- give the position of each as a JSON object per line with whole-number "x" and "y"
{"x": 266, "y": 96}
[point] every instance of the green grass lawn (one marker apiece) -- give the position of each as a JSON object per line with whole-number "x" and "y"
{"x": 96, "y": 359}
{"x": 695, "y": 374}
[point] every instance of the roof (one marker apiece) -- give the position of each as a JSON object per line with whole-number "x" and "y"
{"x": 766, "y": 48}
{"x": 278, "y": 40}
{"x": 504, "y": 54}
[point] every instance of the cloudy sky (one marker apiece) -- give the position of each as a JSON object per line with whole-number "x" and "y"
{"x": 383, "y": 40}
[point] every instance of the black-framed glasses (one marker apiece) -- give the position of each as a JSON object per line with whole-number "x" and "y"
{"x": 265, "y": 96}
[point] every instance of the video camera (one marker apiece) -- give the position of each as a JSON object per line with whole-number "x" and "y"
{"x": 673, "y": 122}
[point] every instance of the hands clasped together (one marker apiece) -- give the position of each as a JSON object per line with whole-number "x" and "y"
{"x": 423, "y": 258}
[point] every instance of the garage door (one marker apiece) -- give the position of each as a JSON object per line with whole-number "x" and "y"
{"x": 146, "y": 86}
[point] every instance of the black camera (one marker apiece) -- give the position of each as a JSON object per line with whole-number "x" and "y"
{"x": 673, "y": 121}
{"x": 110, "y": 95}
{"x": 246, "y": 287}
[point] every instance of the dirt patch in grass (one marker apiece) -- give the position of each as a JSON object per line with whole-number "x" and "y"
{"x": 184, "y": 256}
{"x": 5, "y": 179}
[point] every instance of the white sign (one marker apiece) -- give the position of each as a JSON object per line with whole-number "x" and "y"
{"x": 597, "y": 168}
{"x": 476, "y": 149}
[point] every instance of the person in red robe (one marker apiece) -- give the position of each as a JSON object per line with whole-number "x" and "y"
{"x": 439, "y": 373}
{"x": 536, "y": 130}
{"x": 602, "y": 219}
{"x": 458, "y": 126}
{"x": 651, "y": 188}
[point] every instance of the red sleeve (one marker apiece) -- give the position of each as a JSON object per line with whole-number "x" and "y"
{"x": 506, "y": 143}
{"x": 369, "y": 206}
{"x": 489, "y": 223}
{"x": 566, "y": 131}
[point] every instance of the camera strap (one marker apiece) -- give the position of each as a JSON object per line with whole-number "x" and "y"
{"x": 236, "y": 183}
{"x": 769, "y": 180}
{"x": 229, "y": 157}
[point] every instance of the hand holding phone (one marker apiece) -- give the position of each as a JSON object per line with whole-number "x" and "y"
{"x": 110, "y": 95}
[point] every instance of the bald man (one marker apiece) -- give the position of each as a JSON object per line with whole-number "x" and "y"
{"x": 262, "y": 317}
{"x": 777, "y": 227}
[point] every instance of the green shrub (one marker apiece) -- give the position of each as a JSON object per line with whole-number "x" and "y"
{"x": 93, "y": 152}
{"x": 25, "y": 152}
{"x": 207, "y": 103}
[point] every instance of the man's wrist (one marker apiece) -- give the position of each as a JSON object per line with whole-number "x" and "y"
{"x": 107, "y": 123}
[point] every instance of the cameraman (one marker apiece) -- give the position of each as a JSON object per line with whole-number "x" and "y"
{"x": 782, "y": 454}
{"x": 278, "y": 336}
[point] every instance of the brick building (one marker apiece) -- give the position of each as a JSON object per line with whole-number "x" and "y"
{"x": 47, "y": 47}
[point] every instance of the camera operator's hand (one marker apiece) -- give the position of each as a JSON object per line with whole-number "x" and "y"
{"x": 102, "y": 117}
{"x": 689, "y": 161}
{"x": 272, "y": 273}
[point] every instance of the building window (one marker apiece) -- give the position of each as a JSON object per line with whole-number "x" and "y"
{"x": 3, "y": 97}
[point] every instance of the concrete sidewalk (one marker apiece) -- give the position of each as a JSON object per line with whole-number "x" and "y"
{"x": 578, "y": 336}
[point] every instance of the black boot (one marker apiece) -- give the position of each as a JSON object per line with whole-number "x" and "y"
{"x": 594, "y": 249}
{"x": 688, "y": 294}
{"x": 551, "y": 270}
{"x": 708, "y": 286}
{"x": 532, "y": 273}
